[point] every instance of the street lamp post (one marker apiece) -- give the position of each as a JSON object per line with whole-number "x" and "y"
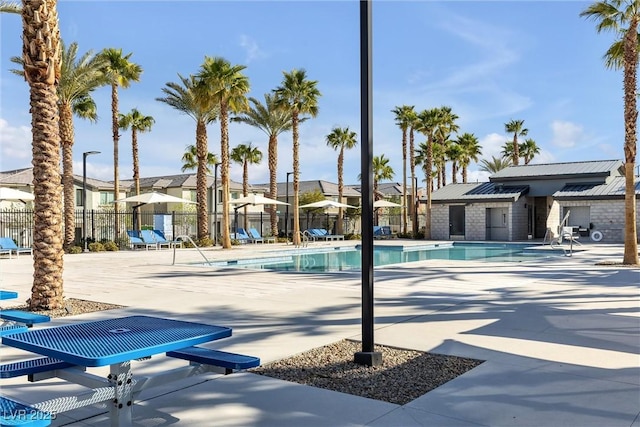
{"x": 84, "y": 196}
{"x": 215, "y": 204}
{"x": 286, "y": 210}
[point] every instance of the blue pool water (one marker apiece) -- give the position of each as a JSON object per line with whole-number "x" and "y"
{"x": 349, "y": 258}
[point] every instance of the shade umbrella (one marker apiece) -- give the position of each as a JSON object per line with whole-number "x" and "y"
{"x": 153, "y": 197}
{"x": 11, "y": 194}
{"x": 385, "y": 204}
{"x": 149, "y": 198}
{"x": 255, "y": 199}
{"x": 326, "y": 204}
{"x": 252, "y": 199}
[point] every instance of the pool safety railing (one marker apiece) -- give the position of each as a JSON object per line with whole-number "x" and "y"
{"x": 304, "y": 239}
{"x": 185, "y": 237}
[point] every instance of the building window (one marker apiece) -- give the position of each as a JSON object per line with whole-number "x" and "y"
{"x": 193, "y": 195}
{"x": 106, "y": 197}
{"x": 79, "y": 199}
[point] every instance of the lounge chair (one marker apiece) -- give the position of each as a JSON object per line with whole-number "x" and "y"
{"x": 241, "y": 236}
{"x": 8, "y": 243}
{"x": 137, "y": 242}
{"x": 148, "y": 236}
{"x": 162, "y": 240}
{"x": 257, "y": 238}
{"x": 322, "y": 234}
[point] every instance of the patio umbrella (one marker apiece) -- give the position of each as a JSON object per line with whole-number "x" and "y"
{"x": 149, "y": 198}
{"x": 255, "y": 199}
{"x": 385, "y": 204}
{"x": 327, "y": 204}
{"x": 153, "y": 197}
{"x": 12, "y": 194}
{"x": 252, "y": 199}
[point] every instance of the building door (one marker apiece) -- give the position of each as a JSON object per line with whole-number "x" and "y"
{"x": 456, "y": 222}
{"x": 497, "y": 225}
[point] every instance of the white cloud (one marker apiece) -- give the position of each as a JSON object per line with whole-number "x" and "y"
{"x": 16, "y": 143}
{"x": 566, "y": 134}
{"x": 251, "y": 48}
{"x": 492, "y": 145}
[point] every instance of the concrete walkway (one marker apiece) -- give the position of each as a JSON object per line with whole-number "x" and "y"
{"x": 561, "y": 337}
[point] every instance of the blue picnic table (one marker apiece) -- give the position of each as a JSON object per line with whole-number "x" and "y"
{"x": 114, "y": 342}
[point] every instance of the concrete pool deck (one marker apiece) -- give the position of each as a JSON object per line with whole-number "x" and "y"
{"x": 561, "y": 336}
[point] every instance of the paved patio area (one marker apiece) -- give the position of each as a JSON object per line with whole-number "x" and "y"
{"x": 561, "y": 337}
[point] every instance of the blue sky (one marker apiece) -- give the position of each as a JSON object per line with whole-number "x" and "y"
{"x": 490, "y": 61}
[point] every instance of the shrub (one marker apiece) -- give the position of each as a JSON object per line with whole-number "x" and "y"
{"x": 110, "y": 246}
{"x": 205, "y": 242}
{"x": 74, "y": 250}
{"x": 96, "y": 247}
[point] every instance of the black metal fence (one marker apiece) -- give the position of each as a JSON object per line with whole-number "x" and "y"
{"x": 100, "y": 224}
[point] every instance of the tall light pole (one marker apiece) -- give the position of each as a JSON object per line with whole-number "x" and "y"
{"x": 215, "y": 204}
{"x": 286, "y": 210}
{"x": 84, "y": 196}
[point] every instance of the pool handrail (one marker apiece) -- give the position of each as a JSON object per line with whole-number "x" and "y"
{"x": 194, "y": 245}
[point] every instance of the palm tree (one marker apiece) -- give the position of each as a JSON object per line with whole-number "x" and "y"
{"x": 78, "y": 78}
{"x": 137, "y": 123}
{"x": 120, "y": 72}
{"x": 403, "y": 117}
{"x": 427, "y": 121}
{"x": 516, "y": 127}
{"x": 272, "y": 121}
{"x": 471, "y": 149}
{"x": 445, "y": 126}
{"x": 10, "y": 7}
{"x": 341, "y": 139}
{"x": 621, "y": 17}
{"x": 495, "y": 164}
{"x": 528, "y": 150}
{"x": 41, "y": 59}
{"x": 188, "y": 97}
{"x": 227, "y": 87}
{"x": 299, "y": 96}
{"x": 414, "y": 123}
{"x": 190, "y": 159}
{"x": 381, "y": 170}
{"x": 454, "y": 153}
{"x": 246, "y": 154}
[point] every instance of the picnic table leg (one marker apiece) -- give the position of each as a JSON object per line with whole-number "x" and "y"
{"x": 122, "y": 406}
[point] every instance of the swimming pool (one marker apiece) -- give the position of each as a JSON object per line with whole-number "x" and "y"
{"x": 349, "y": 258}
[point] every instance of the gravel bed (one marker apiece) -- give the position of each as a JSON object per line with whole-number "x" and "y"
{"x": 403, "y": 376}
{"x": 72, "y": 307}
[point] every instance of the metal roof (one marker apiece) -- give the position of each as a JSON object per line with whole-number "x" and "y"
{"x": 483, "y": 191}
{"x": 600, "y": 168}
{"x": 615, "y": 188}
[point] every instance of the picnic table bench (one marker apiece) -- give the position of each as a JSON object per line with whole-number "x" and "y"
{"x": 70, "y": 349}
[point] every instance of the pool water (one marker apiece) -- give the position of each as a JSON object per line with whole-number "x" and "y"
{"x": 345, "y": 259}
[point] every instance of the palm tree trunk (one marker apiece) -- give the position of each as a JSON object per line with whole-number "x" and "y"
{"x": 136, "y": 168}
{"x": 630, "y": 142}
{"x": 516, "y": 150}
{"x": 245, "y": 190}
{"x": 404, "y": 181}
{"x": 41, "y": 46}
{"x": 201, "y": 179}
{"x": 116, "y": 172}
{"x": 414, "y": 195}
{"x": 273, "y": 182}
{"x": 296, "y": 178}
{"x": 66, "y": 140}
{"x": 224, "y": 174}
{"x": 428, "y": 168}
